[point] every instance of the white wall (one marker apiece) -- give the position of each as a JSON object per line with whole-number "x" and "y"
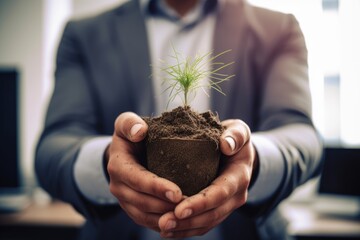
{"x": 29, "y": 36}
{"x": 21, "y": 46}
{"x": 333, "y": 39}
{"x": 349, "y": 20}
{"x": 29, "y": 32}
{"x": 82, "y": 8}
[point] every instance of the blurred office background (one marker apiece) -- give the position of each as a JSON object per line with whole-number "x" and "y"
{"x": 29, "y": 36}
{"x": 30, "y": 31}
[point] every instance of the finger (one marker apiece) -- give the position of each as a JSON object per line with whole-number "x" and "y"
{"x": 189, "y": 228}
{"x": 149, "y": 220}
{"x": 142, "y": 201}
{"x": 185, "y": 234}
{"x": 236, "y": 135}
{"x": 139, "y": 179}
{"x": 130, "y": 126}
{"x": 196, "y": 226}
{"x": 169, "y": 223}
{"x": 227, "y": 185}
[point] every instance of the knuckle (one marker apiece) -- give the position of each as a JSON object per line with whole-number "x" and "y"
{"x": 248, "y": 131}
{"x": 243, "y": 199}
{"x": 123, "y": 123}
{"x": 117, "y": 122}
{"x": 228, "y": 187}
{"x": 246, "y": 177}
{"x": 112, "y": 188}
{"x": 203, "y": 205}
{"x": 153, "y": 183}
{"x": 242, "y": 132}
{"x": 238, "y": 127}
{"x": 232, "y": 185}
{"x": 135, "y": 183}
{"x": 111, "y": 169}
{"x": 221, "y": 190}
{"x": 119, "y": 191}
{"x": 242, "y": 136}
{"x": 237, "y": 122}
{"x": 147, "y": 183}
{"x": 224, "y": 191}
{"x": 142, "y": 204}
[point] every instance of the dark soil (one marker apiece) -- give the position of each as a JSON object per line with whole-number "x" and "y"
{"x": 184, "y": 123}
{"x": 183, "y": 147}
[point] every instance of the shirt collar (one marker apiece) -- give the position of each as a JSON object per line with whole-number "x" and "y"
{"x": 159, "y": 8}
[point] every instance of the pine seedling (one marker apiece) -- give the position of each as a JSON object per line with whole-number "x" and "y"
{"x": 186, "y": 74}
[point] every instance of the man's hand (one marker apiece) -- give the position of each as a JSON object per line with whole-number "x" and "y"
{"x": 144, "y": 196}
{"x": 199, "y": 213}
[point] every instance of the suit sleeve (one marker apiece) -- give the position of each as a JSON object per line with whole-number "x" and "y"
{"x": 285, "y": 124}
{"x": 71, "y": 121}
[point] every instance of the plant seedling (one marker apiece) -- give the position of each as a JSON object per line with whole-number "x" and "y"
{"x": 186, "y": 74}
{"x": 182, "y": 145}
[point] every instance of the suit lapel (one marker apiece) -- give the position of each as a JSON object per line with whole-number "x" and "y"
{"x": 133, "y": 49}
{"x": 228, "y": 35}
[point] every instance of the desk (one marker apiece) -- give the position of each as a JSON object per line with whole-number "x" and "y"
{"x": 39, "y": 222}
{"x": 305, "y": 222}
{"x": 60, "y": 221}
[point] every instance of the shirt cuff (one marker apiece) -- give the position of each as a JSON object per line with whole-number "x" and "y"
{"x": 89, "y": 172}
{"x": 271, "y": 170}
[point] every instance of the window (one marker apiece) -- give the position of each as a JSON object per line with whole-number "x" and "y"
{"x": 332, "y": 34}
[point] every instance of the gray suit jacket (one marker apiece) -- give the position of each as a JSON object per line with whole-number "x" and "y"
{"x": 103, "y": 60}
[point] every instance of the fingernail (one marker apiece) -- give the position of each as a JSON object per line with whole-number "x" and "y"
{"x": 186, "y": 213}
{"x": 170, "y": 196}
{"x": 231, "y": 143}
{"x": 171, "y": 224}
{"x": 135, "y": 129}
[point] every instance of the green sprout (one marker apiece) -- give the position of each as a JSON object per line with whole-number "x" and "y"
{"x": 185, "y": 75}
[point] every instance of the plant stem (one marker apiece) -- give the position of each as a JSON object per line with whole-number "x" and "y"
{"x": 185, "y": 75}
{"x": 185, "y": 97}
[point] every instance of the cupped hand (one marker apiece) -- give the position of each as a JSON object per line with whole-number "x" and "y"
{"x": 198, "y": 214}
{"x": 144, "y": 196}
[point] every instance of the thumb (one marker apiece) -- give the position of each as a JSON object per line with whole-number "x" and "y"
{"x": 236, "y": 135}
{"x": 130, "y": 126}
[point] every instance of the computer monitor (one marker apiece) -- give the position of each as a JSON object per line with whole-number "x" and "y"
{"x": 341, "y": 171}
{"x": 13, "y": 195}
{"x": 9, "y": 148}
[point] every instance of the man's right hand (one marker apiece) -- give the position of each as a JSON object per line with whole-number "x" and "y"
{"x": 144, "y": 196}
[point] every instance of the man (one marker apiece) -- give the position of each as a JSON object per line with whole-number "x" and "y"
{"x": 103, "y": 87}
